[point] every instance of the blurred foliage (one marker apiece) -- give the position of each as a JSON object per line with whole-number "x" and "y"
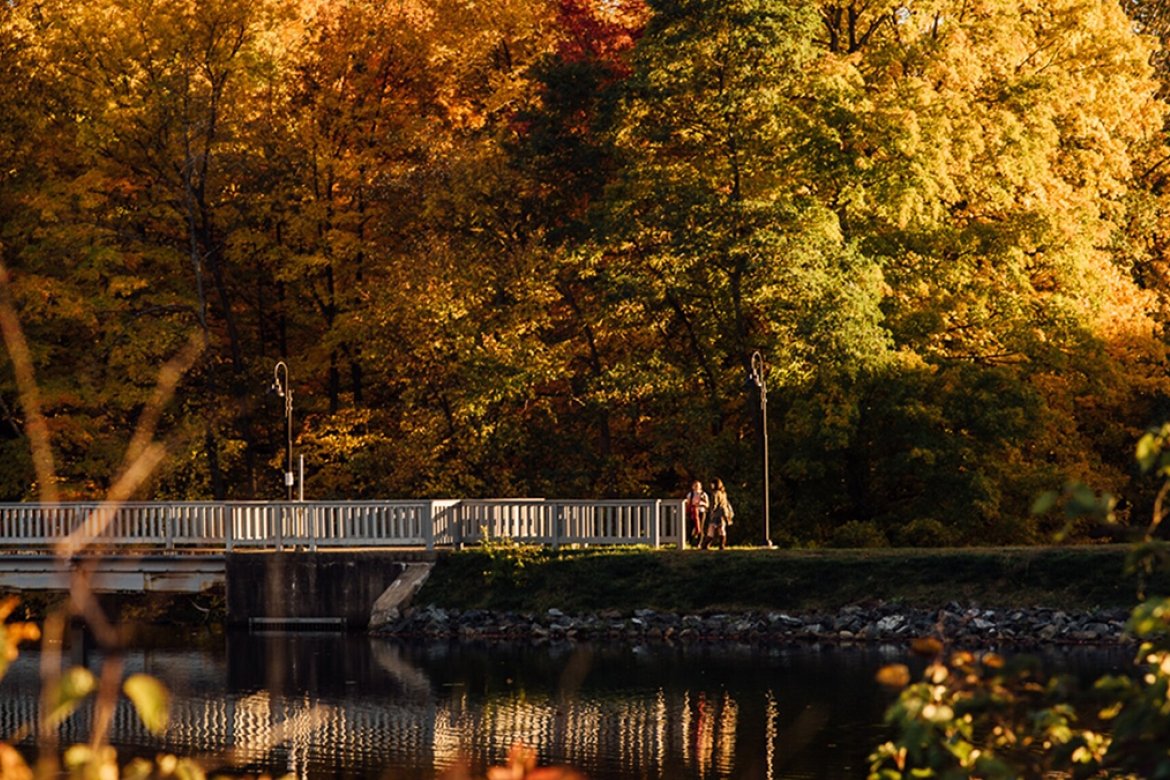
{"x": 977, "y": 716}
{"x": 62, "y": 696}
{"x": 12, "y": 634}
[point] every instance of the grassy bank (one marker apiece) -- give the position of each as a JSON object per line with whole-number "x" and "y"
{"x": 694, "y": 581}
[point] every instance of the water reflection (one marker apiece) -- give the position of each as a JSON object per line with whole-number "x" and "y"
{"x": 332, "y": 705}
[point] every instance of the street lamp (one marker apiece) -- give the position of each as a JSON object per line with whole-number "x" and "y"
{"x": 282, "y": 389}
{"x": 759, "y": 369}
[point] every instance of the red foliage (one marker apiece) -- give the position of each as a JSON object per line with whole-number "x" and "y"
{"x": 602, "y": 30}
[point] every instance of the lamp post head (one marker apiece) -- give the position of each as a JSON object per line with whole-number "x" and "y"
{"x": 759, "y": 369}
{"x": 279, "y": 386}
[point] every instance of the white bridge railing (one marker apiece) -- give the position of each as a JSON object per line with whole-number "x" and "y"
{"x": 313, "y": 524}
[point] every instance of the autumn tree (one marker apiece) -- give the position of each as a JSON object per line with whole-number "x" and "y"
{"x": 140, "y": 214}
{"x": 531, "y": 247}
{"x": 710, "y": 229}
{"x": 23, "y": 169}
{"x": 399, "y": 255}
{"x": 984, "y": 157}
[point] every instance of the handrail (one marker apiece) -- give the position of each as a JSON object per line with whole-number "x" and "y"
{"x": 428, "y": 523}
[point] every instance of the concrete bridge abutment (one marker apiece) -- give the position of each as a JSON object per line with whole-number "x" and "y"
{"x": 323, "y": 589}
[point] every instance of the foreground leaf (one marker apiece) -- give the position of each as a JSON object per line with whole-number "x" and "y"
{"x": 75, "y": 684}
{"x": 151, "y": 699}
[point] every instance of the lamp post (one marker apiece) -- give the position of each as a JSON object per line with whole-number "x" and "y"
{"x": 282, "y": 388}
{"x": 759, "y": 369}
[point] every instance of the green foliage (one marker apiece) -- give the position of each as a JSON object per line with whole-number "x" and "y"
{"x": 151, "y": 700}
{"x": 950, "y": 443}
{"x": 508, "y": 561}
{"x": 977, "y": 717}
{"x": 1140, "y": 714}
{"x": 74, "y": 685}
{"x": 1080, "y": 505}
{"x": 923, "y": 532}
{"x": 1153, "y": 454}
{"x": 858, "y": 533}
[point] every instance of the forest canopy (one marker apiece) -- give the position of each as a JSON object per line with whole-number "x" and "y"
{"x": 528, "y": 248}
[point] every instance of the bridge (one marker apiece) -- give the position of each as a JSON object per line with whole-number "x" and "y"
{"x": 337, "y": 551}
{"x": 224, "y": 526}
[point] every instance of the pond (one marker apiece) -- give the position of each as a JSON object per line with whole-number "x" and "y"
{"x": 332, "y": 705}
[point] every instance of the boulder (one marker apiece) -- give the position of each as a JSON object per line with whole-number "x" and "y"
{"x": 389, "y": 605}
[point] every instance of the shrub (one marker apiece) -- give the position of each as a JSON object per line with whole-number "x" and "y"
{"x": 923, "y": 532}
{"x": 508, "y": 560}
{"x": 858, "y": 533}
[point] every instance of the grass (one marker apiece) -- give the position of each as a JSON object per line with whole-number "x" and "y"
{"x": 754, "y": 579}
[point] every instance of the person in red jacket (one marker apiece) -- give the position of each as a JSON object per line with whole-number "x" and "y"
{"x": 697, "y": 504}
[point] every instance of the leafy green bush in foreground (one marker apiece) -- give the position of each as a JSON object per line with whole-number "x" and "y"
{"x": 979, "y": 716}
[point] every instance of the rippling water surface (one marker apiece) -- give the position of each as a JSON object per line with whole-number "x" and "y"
{"x": 330, "y": 705}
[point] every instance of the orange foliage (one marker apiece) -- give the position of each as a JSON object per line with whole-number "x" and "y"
{"x": 521, "y": 765}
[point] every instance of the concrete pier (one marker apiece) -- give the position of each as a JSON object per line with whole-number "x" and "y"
{"x": 301, "y": 589}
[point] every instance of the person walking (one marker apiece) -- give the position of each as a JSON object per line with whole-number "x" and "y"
{"x": 697, "y": 504}
{"x": 719, "y": 517}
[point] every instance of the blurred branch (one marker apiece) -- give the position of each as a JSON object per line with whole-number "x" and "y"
{"x": 107, "y": 700}
{"x": 36, "y": 428}
{"x": 143, "y": 454}
{"x": 54, "y": 635}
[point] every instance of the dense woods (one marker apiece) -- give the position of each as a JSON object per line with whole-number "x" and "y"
{"x": 528, "y": 248}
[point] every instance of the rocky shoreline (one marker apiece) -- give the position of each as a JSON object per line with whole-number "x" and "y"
{"x": 957, "y": 625}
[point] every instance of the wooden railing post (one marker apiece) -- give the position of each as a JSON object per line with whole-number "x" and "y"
{"x": 278, "y": 521}
{"x": 311, "y": 516}
{"x": 428, "y": 523}
{"x": 558, "y": 519}
{"x": 229, "y": 527}
{"x": 655, "y": 522}
{"x": 455, "y": 520}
